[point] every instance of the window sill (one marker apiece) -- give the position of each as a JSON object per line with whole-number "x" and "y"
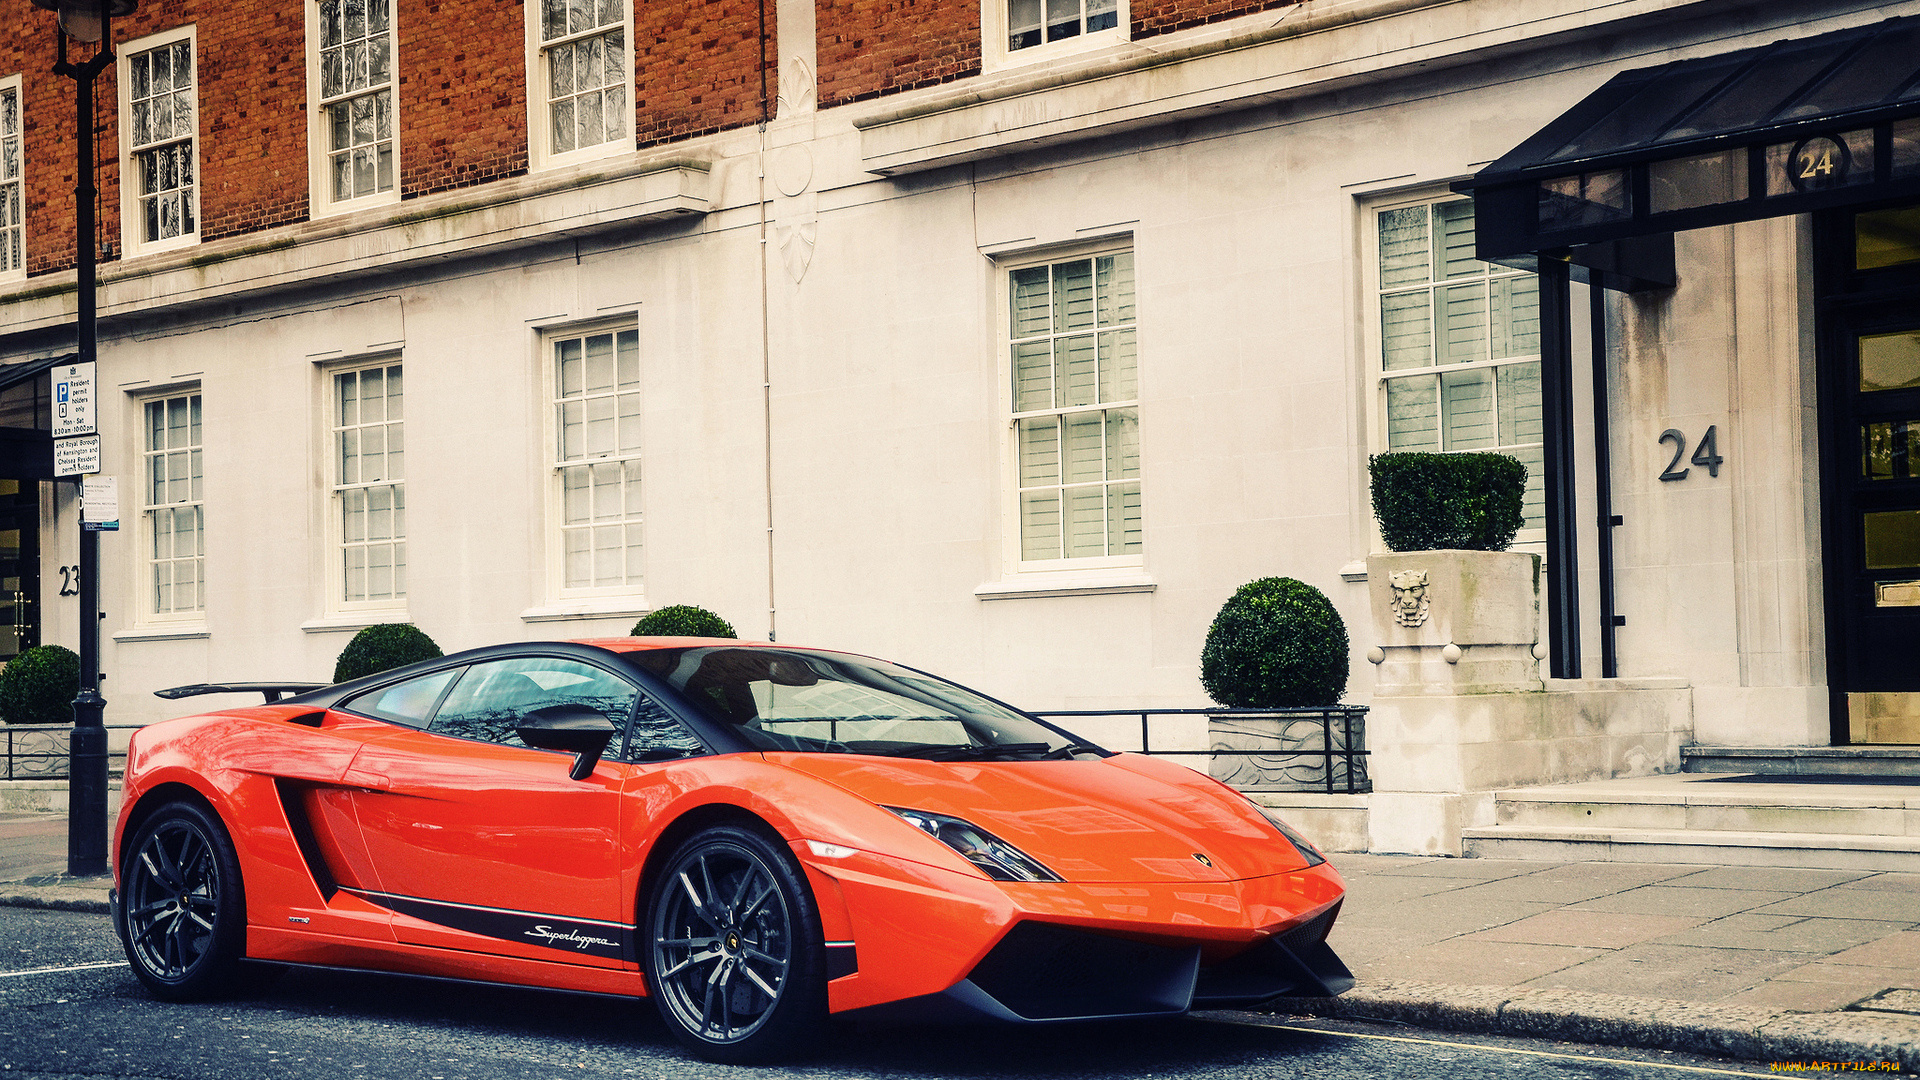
{"x": 334, "y": 624}
{"x": 609, "y": 607}
{"x": 1067, "y": 583}
{"x": 182, "y": 632}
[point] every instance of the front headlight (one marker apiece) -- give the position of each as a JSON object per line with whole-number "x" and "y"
{"x": 988, "y": 853}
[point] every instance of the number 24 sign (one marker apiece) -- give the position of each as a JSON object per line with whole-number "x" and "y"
{"x": 1706, "y": 455}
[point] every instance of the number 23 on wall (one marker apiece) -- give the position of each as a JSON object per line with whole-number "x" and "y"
{"x": 1706, "y": 455}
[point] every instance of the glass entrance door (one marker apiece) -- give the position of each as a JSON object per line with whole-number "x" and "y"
{"x": 1870, "y": 423}
{"x": 19, "y": 567}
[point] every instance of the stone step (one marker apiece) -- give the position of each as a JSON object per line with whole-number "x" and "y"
{"x": 1803, "y": 760}
{"x": 1743, "y": 807}
{"x": 1830, "y": 851}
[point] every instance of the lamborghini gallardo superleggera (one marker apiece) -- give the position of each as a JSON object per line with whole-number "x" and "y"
{"x": 755, "y": 836}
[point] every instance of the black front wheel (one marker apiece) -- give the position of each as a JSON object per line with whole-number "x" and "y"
{"x": 734, "y": 956}
{"x": 182, "y": 912}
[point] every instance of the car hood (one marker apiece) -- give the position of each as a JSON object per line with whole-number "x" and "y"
{"x": 1121, "y": 819}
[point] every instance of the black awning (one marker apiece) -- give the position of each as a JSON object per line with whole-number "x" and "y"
{"x": 1786, "y": 128}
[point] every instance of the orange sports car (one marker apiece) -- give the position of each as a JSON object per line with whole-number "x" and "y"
{"x": 753, "y": 835}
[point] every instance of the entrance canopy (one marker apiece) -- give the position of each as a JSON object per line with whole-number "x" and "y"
{"x": 1786, "y": 128}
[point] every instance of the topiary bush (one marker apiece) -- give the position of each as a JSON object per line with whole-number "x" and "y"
{"x": 39, "y": 686}
{"x": 1276, "y": 644}
{"x": 683, "y": 620}
{"x": 383, "y": 648}
{"x": 1433, "y": 502}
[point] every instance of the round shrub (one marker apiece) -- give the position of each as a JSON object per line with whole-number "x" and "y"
{"x": 1435, "y": 502}
{"x": 1276, "y": 644}
{"x": 383, "y": 648}
{"x": 683, "y": 620}
{"x": 39, "y": 686}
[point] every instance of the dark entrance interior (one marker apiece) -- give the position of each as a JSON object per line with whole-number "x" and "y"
{"x": 19, "y": 567}
{"x": 1867, "y": 278}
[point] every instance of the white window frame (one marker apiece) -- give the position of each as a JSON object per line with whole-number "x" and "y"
{"x": 149, "y": 610}
{"x": 320, "y": 119}
{"x": 539, "y": 118}
{"x": 13, "y": 188}
{"x": 1374, "y": 339}
{"x": 132, "y": 219}
{"x": 338, "y": 490}
{"x": 1019, "y": 568}
{"x": 630, "y": 594}
{"x": 997, "y": 53}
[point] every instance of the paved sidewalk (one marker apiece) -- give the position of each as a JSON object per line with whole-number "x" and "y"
{"x": 1752, "y": 962}
{"x": 1765, "y": 964}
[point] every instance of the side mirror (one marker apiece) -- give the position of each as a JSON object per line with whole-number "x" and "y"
{"x": 580, "y": 730}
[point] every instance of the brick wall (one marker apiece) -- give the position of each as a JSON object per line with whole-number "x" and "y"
{"x": 463, "y": 92}
{"x": 867, "y": 48}
{"x": 699, "y": 66}
{"x": 1152, "y": 17}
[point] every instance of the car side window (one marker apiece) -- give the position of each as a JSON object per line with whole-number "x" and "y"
{"x": 408, "y": 703}
{"x": 491, "y": 699}
{"x": 657, "y": 736}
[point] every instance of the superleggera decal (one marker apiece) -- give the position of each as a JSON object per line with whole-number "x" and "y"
{"x": 588, "y": 936}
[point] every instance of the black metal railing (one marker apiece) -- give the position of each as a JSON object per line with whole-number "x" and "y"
{"x": 1321, "y": 749}
{"x": 43, "y": 753}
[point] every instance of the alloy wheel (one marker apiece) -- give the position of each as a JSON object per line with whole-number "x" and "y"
{"x": 173, "y": 900}
{"x": 723, "y": 942}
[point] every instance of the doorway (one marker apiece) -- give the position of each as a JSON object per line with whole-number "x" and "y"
{"x": 1868, "y": 277}
{"x": 19, "y": 567}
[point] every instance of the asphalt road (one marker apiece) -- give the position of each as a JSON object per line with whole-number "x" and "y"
{"x": 70, "y": 1008}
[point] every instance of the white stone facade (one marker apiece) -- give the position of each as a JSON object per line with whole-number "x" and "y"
{"x": 827, "y": 450}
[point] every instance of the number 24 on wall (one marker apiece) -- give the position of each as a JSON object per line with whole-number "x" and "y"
{"x": 1706, "y": 455}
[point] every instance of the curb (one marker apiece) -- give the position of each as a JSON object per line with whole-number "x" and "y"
{"x": 58, "y": 892}
{"x": 1649, "y": 1023}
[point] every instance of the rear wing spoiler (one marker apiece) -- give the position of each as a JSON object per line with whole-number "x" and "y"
{"x": 273, "y": 691}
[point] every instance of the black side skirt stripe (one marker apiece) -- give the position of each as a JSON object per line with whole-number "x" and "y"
{"x": 612, "y": 941}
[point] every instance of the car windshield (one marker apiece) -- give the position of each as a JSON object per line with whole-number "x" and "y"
{"x": 788, "y": 699}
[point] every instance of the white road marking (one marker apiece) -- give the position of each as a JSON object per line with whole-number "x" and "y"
{"x": 1483, "y": 1046}
{"x": 57, "y": 970}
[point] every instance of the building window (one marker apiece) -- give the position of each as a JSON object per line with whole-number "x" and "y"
{"x": 162, "y": 143}
{"x": 356, "y": 104}
{"x": 1036, "y": 22}
{"x": 587, "y": 76}
{"x": 13, "y": 221}
{"x": 596, "y": 411}
{"x": 1076, "y": 411}
{"x": 1459, "y": 343}
{"x": 175, "y": 512}
{"x": 369, "y": 499}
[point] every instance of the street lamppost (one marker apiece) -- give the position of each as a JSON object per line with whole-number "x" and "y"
{"x": 90, "y": 21}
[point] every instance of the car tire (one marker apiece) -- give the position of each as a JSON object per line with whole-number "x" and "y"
{"x": 183, "y": 915}
{"x": 734, "y": 957}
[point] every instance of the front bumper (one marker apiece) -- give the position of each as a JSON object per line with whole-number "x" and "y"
{"x": 933, "y": 944}
{"x": 1046, "y": 973}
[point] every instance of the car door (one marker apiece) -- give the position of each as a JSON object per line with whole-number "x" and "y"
{"x": 481, "y": 843}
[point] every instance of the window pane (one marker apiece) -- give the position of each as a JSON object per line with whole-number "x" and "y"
{"x": 1118, "y": 366}
{"x": 1406, "y": 330}
{"x": 1113, "y": 281}
{"x": 1516, "y": 317}
{"x": 1405, "y": 256}
{"x": 1455, "y": 239}
{"x": 1032, "y": 376}
{"x": 1076, "y": 378}
{"x": 1073, "y": 295}
{"x": 1518, "y": 390}
{"x": 1039, "y": 452}
{"x": 1463, "y": 324}
{"x": 1413, "y": 414}
{"x": 1467, "y": 408}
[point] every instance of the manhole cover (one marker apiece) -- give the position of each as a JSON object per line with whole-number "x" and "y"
{"x": 1898, "y": 999}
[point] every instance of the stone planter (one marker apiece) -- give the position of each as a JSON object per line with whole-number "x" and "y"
{"x": 1455, "y": 622}
{"x": 1290, "y": 749}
